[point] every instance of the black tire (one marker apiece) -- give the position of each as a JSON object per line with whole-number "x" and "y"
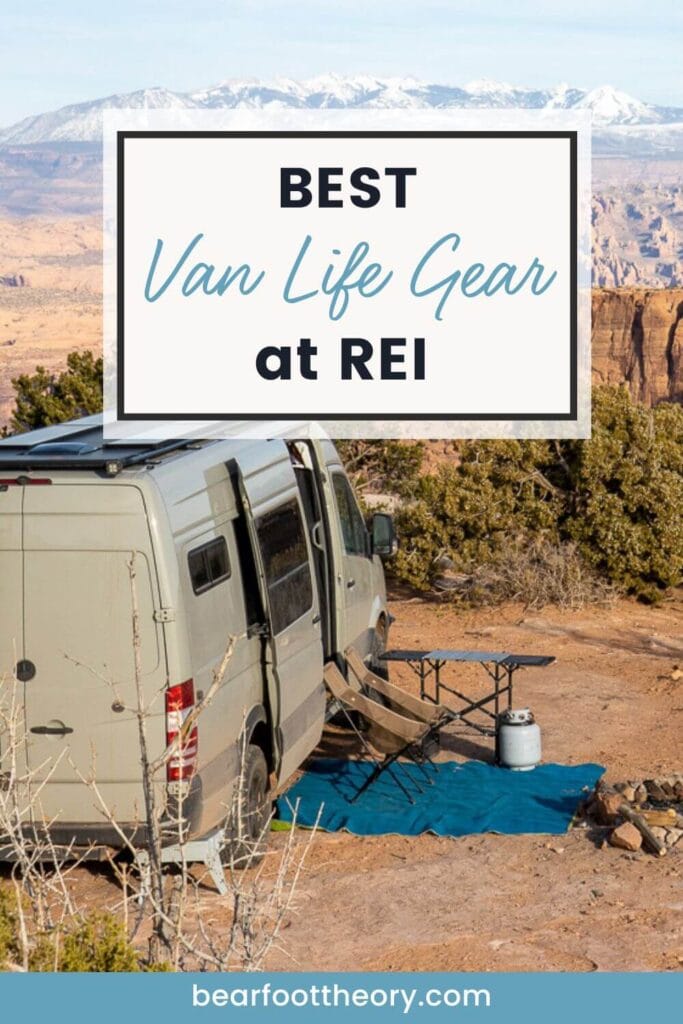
{"x": 246, "y": 831}
{"x": 378, "y": 645}
{"x": 377, "y": 648}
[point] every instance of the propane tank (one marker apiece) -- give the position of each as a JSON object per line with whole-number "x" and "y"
{"x": 519, "y": 740}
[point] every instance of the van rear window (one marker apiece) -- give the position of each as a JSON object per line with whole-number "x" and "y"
{"x": 285, "y": 562}
{"x": 209, "y": 565}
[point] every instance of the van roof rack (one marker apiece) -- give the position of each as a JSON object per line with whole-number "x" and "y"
{"x": 80, "y": 444}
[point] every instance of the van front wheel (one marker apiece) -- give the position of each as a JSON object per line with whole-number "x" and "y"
{"x": 377, "y": 648}
{"x": 247, "y": 829}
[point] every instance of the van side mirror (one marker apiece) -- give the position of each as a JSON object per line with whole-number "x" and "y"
{"x": 383, "y": 534}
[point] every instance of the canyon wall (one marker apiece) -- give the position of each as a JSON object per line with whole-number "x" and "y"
{"x": 638, "y": 338}
{"x": 50, "y": 303}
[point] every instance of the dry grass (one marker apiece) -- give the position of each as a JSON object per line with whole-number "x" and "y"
{"x": 536, "y": 573}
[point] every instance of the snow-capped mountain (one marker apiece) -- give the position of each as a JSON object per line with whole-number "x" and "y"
{"x": 82, "y": 122}
{"x": 610, "y": 107}
{"x": 623, "y": 123}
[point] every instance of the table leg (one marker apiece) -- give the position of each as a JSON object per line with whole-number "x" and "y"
{"x": 496, "y": 677}
{"x": 438, "y": 665}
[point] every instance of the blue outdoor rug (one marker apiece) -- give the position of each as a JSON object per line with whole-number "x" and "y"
{"x": 464, "y": 798}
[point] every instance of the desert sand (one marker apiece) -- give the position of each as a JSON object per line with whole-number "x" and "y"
{"x": 59, "y": 308}
{"x": 51, "y": 303}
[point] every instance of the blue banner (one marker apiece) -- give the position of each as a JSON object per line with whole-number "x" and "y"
{"x": 281, "y": 998}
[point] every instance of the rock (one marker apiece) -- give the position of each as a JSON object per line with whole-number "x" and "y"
{"x": 667, "y": 787}
{"x": 629, "y": 793}
{"x": 626, "y": 837}
{"x": 641, "y": 794}
{"x": 659, "y": 833}
{"x": 672, "y": 836}
{"x": 678, "y": 791}
{"x": 606, "y": 807}
{"x": 655, "y": 791}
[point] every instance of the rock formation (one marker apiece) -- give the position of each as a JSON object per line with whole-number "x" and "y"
{"x": 638, "y": 236}
{"x": 638, "y": 338}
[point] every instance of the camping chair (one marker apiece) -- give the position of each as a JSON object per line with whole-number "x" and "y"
{"x": 389, "y": 732}
{"x": 399, "y": 700}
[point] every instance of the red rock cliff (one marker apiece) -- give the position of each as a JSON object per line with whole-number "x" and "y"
{"x": 638, "y": 338}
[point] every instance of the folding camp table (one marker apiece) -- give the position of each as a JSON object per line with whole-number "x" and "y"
{"x": 500, "y": 666}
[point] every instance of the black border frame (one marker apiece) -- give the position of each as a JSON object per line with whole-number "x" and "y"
{"x": 571, "y": 136}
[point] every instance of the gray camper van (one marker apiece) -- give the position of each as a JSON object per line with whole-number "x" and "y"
{"x": 259, "y": 539}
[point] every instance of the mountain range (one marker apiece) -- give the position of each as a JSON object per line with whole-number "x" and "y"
{"x": 51, "y": 164}
{"x": 623, "y": 124}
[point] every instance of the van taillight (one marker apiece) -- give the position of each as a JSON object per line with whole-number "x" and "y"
{"x": 179, "y": 704}
{"x": 25, "y": 481}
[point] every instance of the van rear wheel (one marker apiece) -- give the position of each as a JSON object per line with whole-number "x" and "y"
{"x": 246, "y": 832}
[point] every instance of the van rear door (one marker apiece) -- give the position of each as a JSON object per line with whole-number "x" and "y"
{"x": 289, "y": 594}
{"x": 79, "y": 541}
{"x": 11, "y": 615}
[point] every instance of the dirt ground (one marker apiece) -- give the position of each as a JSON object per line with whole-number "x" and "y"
{"x": 509, "y": 903}
{"x": 518, "y": 903}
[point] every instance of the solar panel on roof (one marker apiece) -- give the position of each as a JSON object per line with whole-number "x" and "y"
{"x": 66, "y": 446}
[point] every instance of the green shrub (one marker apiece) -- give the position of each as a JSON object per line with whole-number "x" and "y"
{"x": 9, "y": 947}
{"x": 44, "y": 398}
{"x": 97, "y": 943}
{"x": 382, "y": 466}
{"x": 616, "y": 499}
{"x": 467, "y": 513}
{"x": 627, "y": 490}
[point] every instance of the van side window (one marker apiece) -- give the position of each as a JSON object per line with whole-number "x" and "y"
{"x": 209, "y": 565}
{"x": 352, "y": 525}
{"x": 286, "y": 565}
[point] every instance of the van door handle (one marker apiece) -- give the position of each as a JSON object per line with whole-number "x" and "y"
{"x": 316, "y": 619}
{"x": 48, "y": 730}
{"x": 350, "y": 583}
{"x": 316, "y": 536}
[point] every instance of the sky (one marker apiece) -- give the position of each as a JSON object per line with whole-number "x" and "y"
{"x": 54, "y": 52}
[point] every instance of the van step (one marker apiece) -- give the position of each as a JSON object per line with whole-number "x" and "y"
{"x": 205, "y": 851}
